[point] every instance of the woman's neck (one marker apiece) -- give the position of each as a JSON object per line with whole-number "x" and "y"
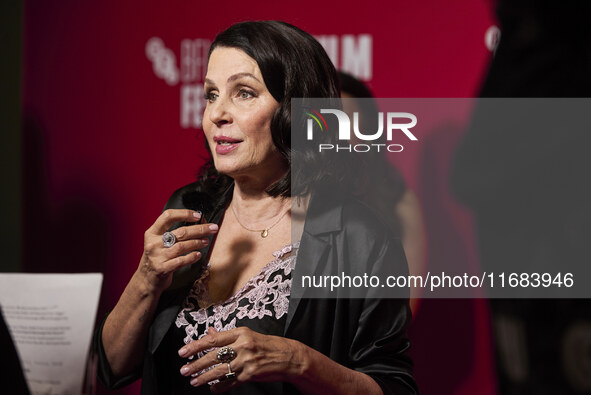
{"x": 254, "y": 206}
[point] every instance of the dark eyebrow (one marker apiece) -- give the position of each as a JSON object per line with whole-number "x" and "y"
{"x": 233, "y": 78}
{"x": 240, "y": 75}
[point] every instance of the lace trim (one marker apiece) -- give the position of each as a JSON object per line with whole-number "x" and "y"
{"x": 268, "y": 287}
{"x": 200, "y": 289}
{"x": 271, "y": 286}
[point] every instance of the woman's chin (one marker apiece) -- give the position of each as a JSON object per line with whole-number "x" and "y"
{"x": 228, "y": 167}
{"x": 233, "y": 172}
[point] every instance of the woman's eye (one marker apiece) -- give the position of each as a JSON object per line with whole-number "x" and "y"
{"x": 244, "y": 94}
{"x": 211, "y": 96}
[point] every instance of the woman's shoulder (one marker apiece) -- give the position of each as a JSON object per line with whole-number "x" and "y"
{"x": 359, "y": 239}
{"x": 352, "y": 217}
{"x": 344, "y": 220}
{"x": 368, "y": 233}
{"x": 358, "y": 212}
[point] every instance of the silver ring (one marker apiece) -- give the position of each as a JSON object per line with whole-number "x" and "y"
{"x": 168, "y": 239}
{"x": 230, "y": 375}
{"x": 226, "y": 354}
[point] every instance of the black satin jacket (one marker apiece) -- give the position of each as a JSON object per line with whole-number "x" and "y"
{"x": 367, "y": 335}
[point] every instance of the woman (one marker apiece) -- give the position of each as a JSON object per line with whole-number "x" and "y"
{"x": 235, "y": 323}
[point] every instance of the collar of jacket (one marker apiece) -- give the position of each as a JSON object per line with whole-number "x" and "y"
{"x": 323, "y": 218}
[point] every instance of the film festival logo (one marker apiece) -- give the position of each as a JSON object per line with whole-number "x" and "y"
{"x": 190, "y": 74}
{"x": 350, "y": 53}
{"x": 364, "y": 141}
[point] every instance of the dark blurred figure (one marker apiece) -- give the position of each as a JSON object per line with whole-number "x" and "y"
{"x": 383, "y": 187}
{"x": 12, "y": 380}
{"x": 531, "y": 194}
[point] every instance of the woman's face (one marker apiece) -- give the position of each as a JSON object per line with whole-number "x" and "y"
{"x": 237, "y": 118}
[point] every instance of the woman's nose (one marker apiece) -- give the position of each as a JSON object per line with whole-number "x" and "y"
{"x": 219, "y": 111}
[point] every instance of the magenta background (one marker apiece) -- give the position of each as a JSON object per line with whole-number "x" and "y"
{"x": 104, "y": 147}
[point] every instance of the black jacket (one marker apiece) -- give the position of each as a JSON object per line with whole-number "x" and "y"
{"x": 367, "y": 335}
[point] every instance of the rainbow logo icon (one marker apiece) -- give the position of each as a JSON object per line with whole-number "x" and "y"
{"x": 317, "y": 117}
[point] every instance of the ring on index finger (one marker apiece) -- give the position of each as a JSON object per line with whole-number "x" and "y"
{"x": 168, "y": 239}
{"x": 226, "y": 354}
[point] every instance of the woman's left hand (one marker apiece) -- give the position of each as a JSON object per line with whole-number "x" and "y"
{"x": 258, "y": 358}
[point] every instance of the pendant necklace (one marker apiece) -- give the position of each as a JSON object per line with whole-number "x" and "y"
{"x": 264, "y": 232}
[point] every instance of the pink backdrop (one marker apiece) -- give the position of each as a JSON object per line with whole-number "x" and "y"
{"x": 109, "y": 134}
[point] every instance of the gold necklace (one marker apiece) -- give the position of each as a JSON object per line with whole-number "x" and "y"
{"x": 264, "y": 232}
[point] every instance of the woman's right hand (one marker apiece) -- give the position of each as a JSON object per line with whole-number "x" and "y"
{"x": 158, "y": 262}
{"x": 125, "y": 332}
